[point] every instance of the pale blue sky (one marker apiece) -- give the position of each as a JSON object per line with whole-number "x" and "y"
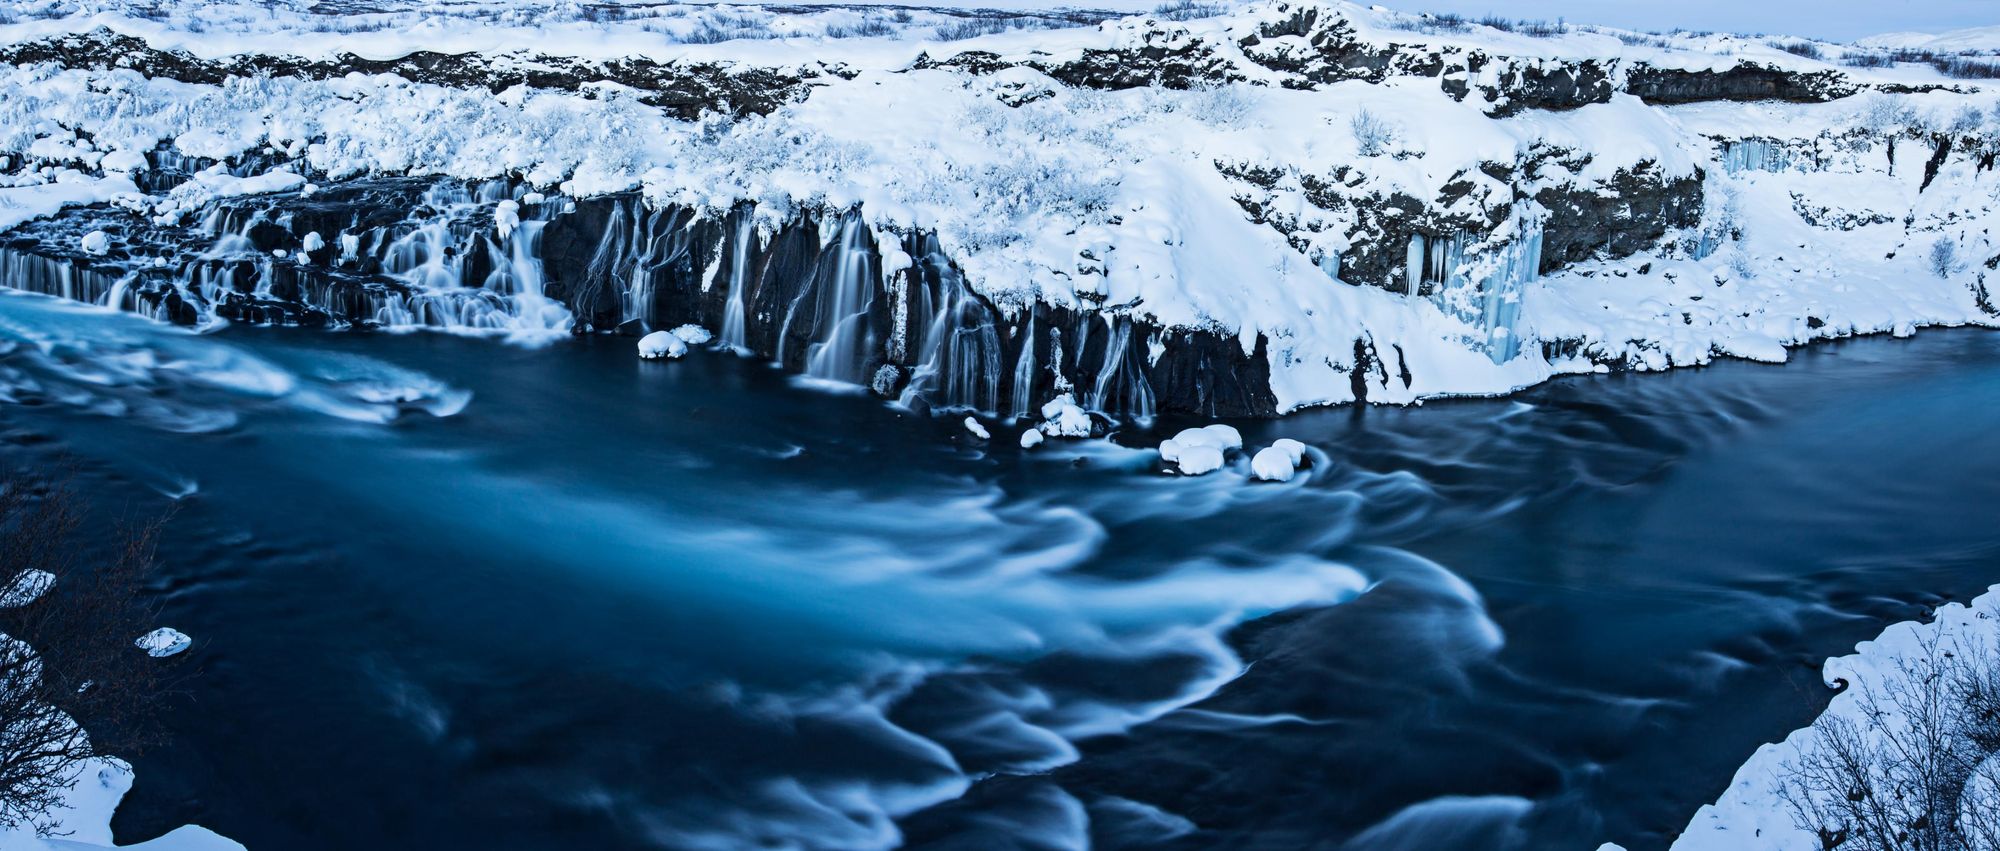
{"x": 1840, "y": 20}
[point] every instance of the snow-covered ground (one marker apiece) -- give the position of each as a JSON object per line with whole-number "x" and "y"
{"x": 1230, "y": 191}
{"x": 1753, "y": 815}
{"x": 84, "y": 821}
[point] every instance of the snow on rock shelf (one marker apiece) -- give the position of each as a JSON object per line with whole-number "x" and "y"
{"x": 1242, "y": 210}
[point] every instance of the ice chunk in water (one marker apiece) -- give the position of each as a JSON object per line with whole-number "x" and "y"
{"x": 163, "y": 642}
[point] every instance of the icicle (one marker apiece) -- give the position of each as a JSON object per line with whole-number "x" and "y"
{"x": 1743, "y": 155}
{"x": 1413, "y": 267}
{"x": 1491, "y": 301}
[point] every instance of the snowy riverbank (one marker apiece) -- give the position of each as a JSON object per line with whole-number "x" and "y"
{"x": 1370, "y": 205}
{"x": 1755, "y": 812}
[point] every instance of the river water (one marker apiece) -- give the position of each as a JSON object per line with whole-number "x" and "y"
{"x": 450, "y": 592}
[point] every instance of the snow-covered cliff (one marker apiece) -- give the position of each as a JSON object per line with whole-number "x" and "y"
{"x": 1220, "y": 210}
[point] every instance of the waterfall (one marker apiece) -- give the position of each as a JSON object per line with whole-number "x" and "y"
{"x": 960, "y": 346}
{"x": 1483, "y": 290}
{"x": 735, "y": 324}
{"x": 1121, "y": 386}
{"x": 415, "y": 253}
{"x": 1024, "y": 374}
{"x": 843, "y": 303}
{"x": 1741, "y": 155}
{"x": 439, "y": 264}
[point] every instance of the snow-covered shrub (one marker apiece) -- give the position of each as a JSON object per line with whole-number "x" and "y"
{"x": 1888, "y": 115}
{"x": 1966, "y": 121}
{"x": 1805, "y": 49}
{"x": 867, "y": 28}
{"x": 1222, "y": 105}
{"x": 1917, "y": 768}
{"x": 1942, "y": 259}
{"x": 1188, "y": 10}
{"x": 1372, "y": 134}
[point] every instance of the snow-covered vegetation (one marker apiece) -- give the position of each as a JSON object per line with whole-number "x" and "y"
{"x": 1906, "y": 757}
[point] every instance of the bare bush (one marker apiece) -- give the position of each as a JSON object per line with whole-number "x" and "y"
{"x": 1942, "y": 259}
{"x": 1188, "y": 10}
{"x": 1804, "y": 49}
{"x": 67, "y": 662}
{"x": 1372, "y": 134}
{"x": 1916, "y": 771}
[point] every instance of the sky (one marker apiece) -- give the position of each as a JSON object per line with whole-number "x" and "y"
{"x": 1834, "y": 20}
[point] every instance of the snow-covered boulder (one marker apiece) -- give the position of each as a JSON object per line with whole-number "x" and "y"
{"x": 978, "y": 431}
{"x": 506, "y": 217}
{"x": 661, "y": 344}
{"x": 96, "y": 242}
{"x": 1292, "y": 449}
{"x": 1221, "y": 437}
{"x": 693, "y": 335}
{"x": 1273, "y": 464}
{"x": 1031, "y": 438}
{"x": 1225, "y": 437}
{"x": 1062, "y": 417}
{"x": 1199, "y": 460}
{"x": 163, "y": 642}
{"x": 311, "y": 242}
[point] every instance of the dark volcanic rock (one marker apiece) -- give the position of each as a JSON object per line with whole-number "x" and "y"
{"x": 1640, "y": 208}
{"x": 1745, "y": 82}
{"x": 685, "y": 90}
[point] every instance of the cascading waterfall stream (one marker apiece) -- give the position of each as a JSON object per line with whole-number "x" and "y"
{"x": 448, "y": 263}
{"x": 960, "y": 365}
{"x": 490, "y": 258}
{"x": 735, "y": 322}
{"x": 843, "y": 309}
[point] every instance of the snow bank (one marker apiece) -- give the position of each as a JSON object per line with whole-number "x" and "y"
{"x": 1751, "y": 815}
{"x": 83, "y": 819}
